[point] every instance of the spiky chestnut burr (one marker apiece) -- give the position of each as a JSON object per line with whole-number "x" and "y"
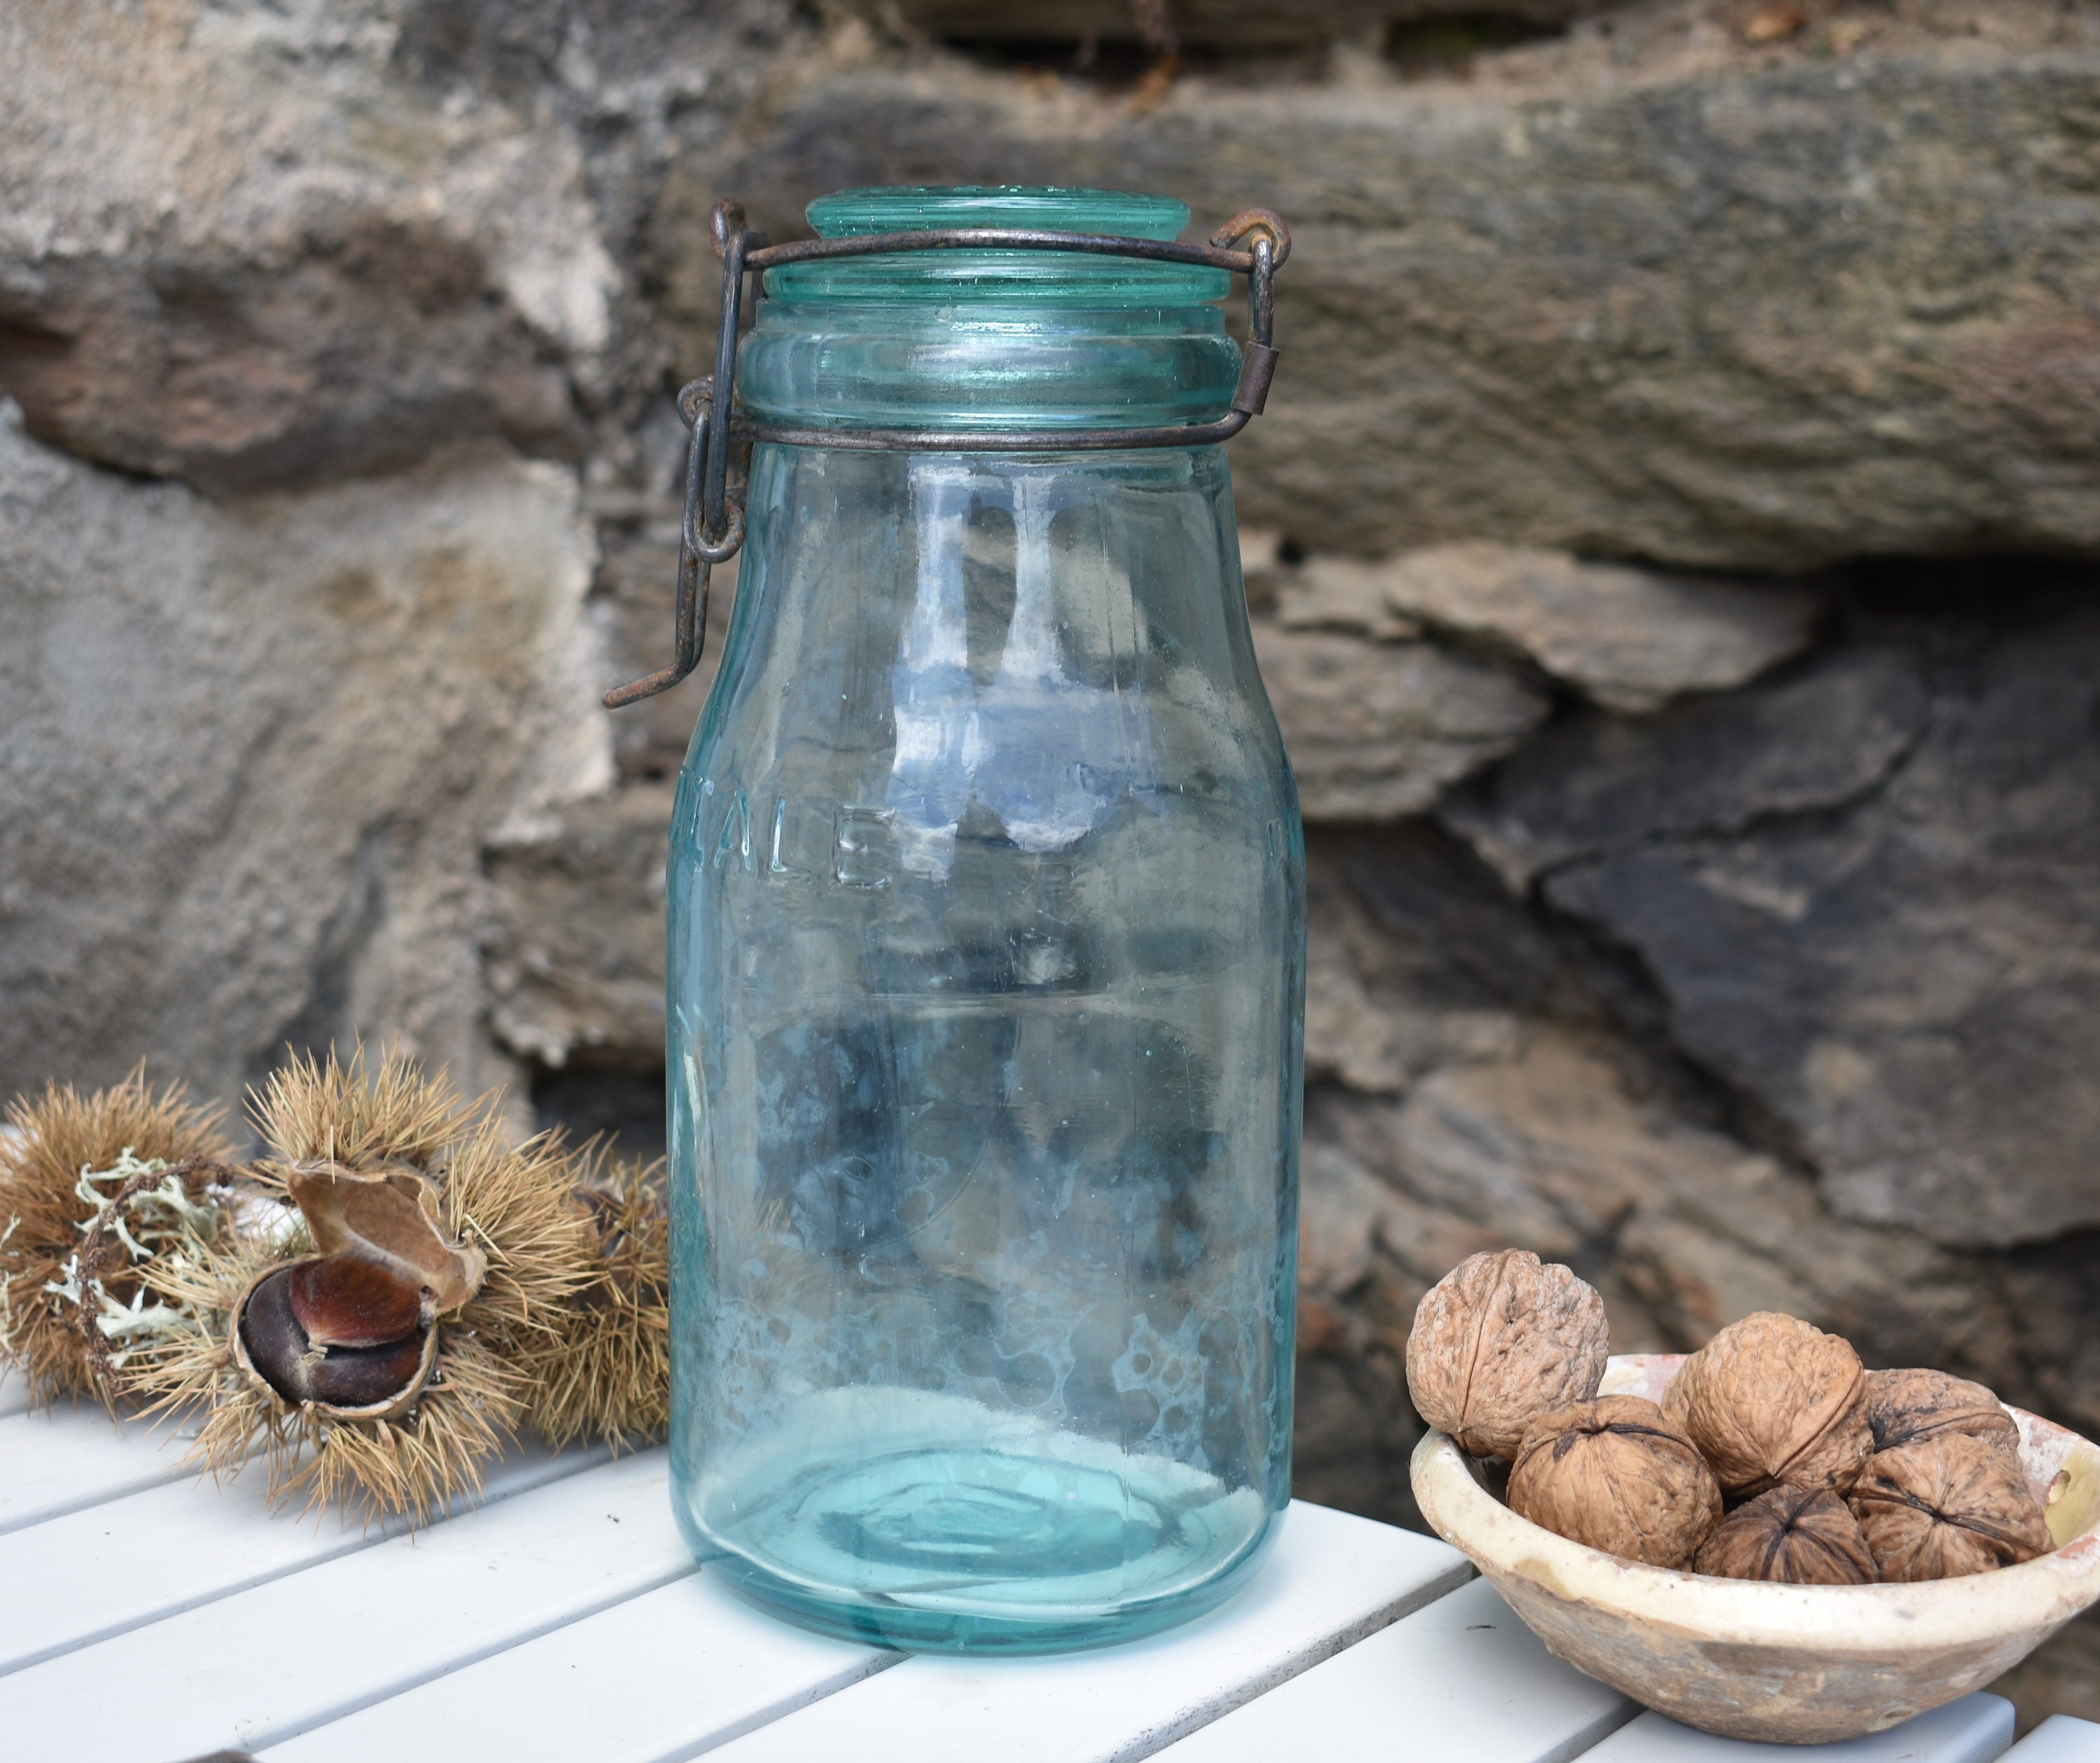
{"x": 604, "y": 1370}
{"x": 95, "y": 1188}
{"x": 389, "y": 1169}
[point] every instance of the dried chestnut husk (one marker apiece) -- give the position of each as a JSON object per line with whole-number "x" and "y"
{"x": 1794, "y": 1536}
{"x": 387, "y": 1215}
{"x": 1773, "y": 1402}
{"x": 1501, "y": 1339}
{"x": 1945, "y": 1507}
{"x": 1910, "y": 1407}
{"x": 1614, "y": 1474}
{"x": 273, "y": 1343}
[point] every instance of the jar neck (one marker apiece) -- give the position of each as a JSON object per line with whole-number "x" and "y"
{"x": 995, "y": 364}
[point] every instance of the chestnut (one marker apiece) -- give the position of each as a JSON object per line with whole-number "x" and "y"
{"x": 347, "y": 1301}
{"x": 275, "y": 1344}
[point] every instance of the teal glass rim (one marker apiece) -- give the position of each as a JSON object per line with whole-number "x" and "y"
{"x": 976, "y": 277}
{"x": 1254, "y": 243}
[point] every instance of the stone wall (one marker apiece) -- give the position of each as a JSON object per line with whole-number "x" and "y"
{"x": 1673, "y": 543}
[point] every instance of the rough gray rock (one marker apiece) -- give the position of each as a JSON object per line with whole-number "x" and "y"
{"x": 1630, "y": 639}
{"x": 575, "y": 961}
{"x": 1209, "y": 23}
{"x": 1878, "y": 920}
{"x": 1820, "y": 738}
{"x": 1378, "y": 729}
{"x": 233, "y": 249}
{"x": 1412, "y": 961}
{"x": 1552, "y": 1148}
{"x": 249, "y": 756}
{"x": 1641, "y": 296}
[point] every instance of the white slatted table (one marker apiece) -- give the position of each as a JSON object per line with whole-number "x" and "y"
{"x": 146, "y": 1618}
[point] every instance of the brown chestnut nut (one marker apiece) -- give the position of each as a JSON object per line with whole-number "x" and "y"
{"x": 1945, "y": 1507}
{"x": 347, "y": 1301}
{"x": 1909, "y": 1407}
{"x": 1773, "y": 1402}
{"x": 275, "y": 1347}
{"x": 1500, "y": 1340}
{"x": 1614, "y": 1474}
{"x": 1793, "y": 1535}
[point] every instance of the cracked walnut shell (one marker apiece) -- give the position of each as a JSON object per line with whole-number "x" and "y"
{"x": 1910, "y": 1407}
{"x": 1501, "y": 1339}
{"x": 1945, "y": 1507}
{"x": 1773, "y": 1402}
{"x": 1614, "y": 1474}
{"x": 1793, "y": 1536}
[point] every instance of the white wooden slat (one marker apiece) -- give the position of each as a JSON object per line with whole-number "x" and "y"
{"x": 667, "y": 1675}
{"x": 268, "y": 1663}
{"x": 14, "y": 1391}
{"x": 1330, "y": 1579}
{"x": 76, "y": 1580}
{"x": 1976, "y": 1729}
{"x": 2061, "y": 1739}
{"x": 64, "y": 1459}
{"x": 1461, "y": 1679}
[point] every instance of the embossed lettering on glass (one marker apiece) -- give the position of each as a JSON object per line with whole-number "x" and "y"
{"x": 986, "y": 938}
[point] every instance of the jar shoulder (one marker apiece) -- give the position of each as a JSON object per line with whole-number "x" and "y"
{"x": 1016, "y": 623}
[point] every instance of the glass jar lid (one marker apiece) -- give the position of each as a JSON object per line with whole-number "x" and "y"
{"x": 953, "y": 275}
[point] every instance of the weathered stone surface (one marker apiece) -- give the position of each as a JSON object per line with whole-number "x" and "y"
{"x": 1644, "y": 296}
{"x": 1630, "y": 639}
{"x": 1813, "y": 742}
{"x": 1397, "y": 986}
{"x": 234, "y": 248}
{"x": 1229, "y": 23}
{"x": 575, "y": 960}
{"x": 251, "y": 755}
{"x": 1878, "y": 918}
{"x": 1378, "y": 729}
{"x": 1552, "y": 1148}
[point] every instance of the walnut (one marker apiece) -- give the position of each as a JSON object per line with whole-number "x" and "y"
{"x": 1908, "y": 1407}
{"x": 1501, "y": 1340}
{"x": 1796, "y": 1536}
{"x": 1947, "y": 1506}
{"x": 1773, "y": 1402}
{"x": 1613, "y": 1474}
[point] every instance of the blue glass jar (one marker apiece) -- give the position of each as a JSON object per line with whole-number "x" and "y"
{"x": 987, "y": 966}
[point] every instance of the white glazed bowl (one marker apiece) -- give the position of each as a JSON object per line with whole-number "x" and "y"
{"x": 1790, "y": 1665}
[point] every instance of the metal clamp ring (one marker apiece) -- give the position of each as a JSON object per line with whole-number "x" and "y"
{"x": 722, "y": 549}
{"x": 1253, "y": 220}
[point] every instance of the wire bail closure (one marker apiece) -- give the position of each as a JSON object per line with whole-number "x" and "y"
{"x": 1254, "y": 243}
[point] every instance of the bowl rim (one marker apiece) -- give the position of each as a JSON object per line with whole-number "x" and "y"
{"x": 1846, "y": 1619}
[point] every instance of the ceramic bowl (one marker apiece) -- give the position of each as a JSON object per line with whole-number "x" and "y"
{"x": 1790, "y": 1665}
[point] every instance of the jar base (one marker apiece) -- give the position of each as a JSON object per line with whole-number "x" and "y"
{"x": 909, "y": 1630}
{"x": 940, "y": 1537}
